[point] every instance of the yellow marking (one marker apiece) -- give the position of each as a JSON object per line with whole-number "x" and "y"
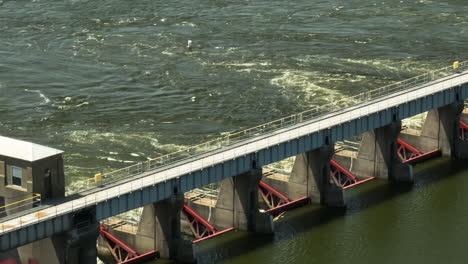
{"x": 41, "y": 214}
{"x": 20, "y": 201}
{"x": 7, "y": 227}
{"x": 430, "y": 75}
{"x": 97, "y": 177}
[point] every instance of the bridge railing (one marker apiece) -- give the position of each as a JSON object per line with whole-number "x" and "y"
{"x": 23, "y": 202}
{"x": 233, "y": 138}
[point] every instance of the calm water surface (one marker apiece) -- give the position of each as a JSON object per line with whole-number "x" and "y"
{"x": 384, "y": 223}
{"x": 111, "y": 83}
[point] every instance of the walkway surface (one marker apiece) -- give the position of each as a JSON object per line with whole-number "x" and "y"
{"x": 136, "y": 182}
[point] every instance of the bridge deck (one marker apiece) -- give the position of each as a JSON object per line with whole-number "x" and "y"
{"x": 100, "y": 194}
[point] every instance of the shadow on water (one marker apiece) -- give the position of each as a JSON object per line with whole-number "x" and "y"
{"x": 361, "y": 198}
{"x": 234, "y": 243}
{"x": 377, "y": 191}
{"x": 301, "y": 220}
{"x": 297, "y": 221}
{"x": 437, "y": 170}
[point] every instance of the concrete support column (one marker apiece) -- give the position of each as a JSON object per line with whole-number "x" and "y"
{"x": 440, "y": 129}
{"x": 81, "y": 246}
{"x": 72, "y": 247}
{"x": 237, "y": 204}
{"x": 377, "y": 155}
{"x": 311, "y": 177}
{"x": 159, "y": 228}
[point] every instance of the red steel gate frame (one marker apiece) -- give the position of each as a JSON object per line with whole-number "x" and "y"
{"x": 201, "y": 228}
{"x": 123, "y": 253}
{"x": 411, "y": 155}
{"x": 278, "y": 202}
{"x": 463, "y": 128}
{"x": 343, "y": 177}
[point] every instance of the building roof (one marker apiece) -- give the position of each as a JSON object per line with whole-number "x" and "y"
{"x": 24, "y": 150}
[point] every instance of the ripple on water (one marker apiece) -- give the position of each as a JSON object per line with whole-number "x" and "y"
{"x": 132, "y": 81}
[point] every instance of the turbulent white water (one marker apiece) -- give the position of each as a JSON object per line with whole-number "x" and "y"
{"x": 112, "y": 83}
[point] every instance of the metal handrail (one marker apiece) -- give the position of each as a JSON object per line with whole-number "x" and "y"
{"x": 29, "y": 199}
{"x": 236, "y": 137}
{"x": 138, "y": 183}
{"x": 23, "y": 204}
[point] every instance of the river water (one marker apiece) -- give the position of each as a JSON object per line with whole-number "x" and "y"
{"x": 112, "y": 83}
{"x": 383, "y": 223}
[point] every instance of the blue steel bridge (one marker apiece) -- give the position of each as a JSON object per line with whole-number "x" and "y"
{"x": 109, "y": 194}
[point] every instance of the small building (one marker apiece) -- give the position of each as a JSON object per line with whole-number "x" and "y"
{"x": 26, "y": 169}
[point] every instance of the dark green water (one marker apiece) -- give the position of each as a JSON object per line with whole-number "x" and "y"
{"x": 384, "y": 223}
{"x": 111, "y": 83}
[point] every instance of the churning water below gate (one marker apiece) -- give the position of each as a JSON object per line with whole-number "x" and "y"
{"x": 384, "y": 223}
{"x": 111, "y": 83}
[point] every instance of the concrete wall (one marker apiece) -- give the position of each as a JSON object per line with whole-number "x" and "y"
{"x": 310, "y": 177}
{"x": 49, "y": 186}
{"x": 377, "y": 155}
{"x": 48, "y": 250}
{"x": 34, "y": 179}
{"x": 12, "y": 193}
{"x": 237, "y": 204}
{"x": 243, "y": 163}
{"x": 440, "y": 131}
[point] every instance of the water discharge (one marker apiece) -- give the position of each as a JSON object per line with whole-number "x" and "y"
{"x": 136, "y": 92}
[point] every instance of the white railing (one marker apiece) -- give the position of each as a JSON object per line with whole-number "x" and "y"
{"x": 83, "y": 200}
{"x": 236, "y": 137}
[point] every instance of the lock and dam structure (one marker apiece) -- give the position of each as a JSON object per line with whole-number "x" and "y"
{"x": 40, "y": 224}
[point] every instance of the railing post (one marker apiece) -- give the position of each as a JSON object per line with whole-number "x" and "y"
{"x": 298, "y": 118}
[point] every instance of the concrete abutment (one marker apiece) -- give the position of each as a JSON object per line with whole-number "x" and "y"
{"x": 440, "y": 131}
{"x": 73, "y": 247}
{"x": 377, "y": 156}
{"x": 159, "y": 229}
{"x": 160, "y": 224}
{"x": 237, "y": 204}
{"x": 310, "y": 177}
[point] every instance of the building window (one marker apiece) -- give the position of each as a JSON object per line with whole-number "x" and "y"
{"x": 16, "y": 175}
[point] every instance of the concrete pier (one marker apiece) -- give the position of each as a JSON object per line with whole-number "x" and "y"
{"x": 310, "y": 177}
{"x": 73, "y": 247}
{"x": 24, "y": 171}
{"x": 160, "y": 224}
{"x": 237, "y": 204}
{"x": 377, "y": 156}
{"x": 439, "y": 131}
{"x": 441, "y": 126}
{"x": 159, "y": 229}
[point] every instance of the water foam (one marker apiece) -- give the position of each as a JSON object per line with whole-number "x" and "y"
{"x": 45, "y": 98}
{"x": 301, "y": 85}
